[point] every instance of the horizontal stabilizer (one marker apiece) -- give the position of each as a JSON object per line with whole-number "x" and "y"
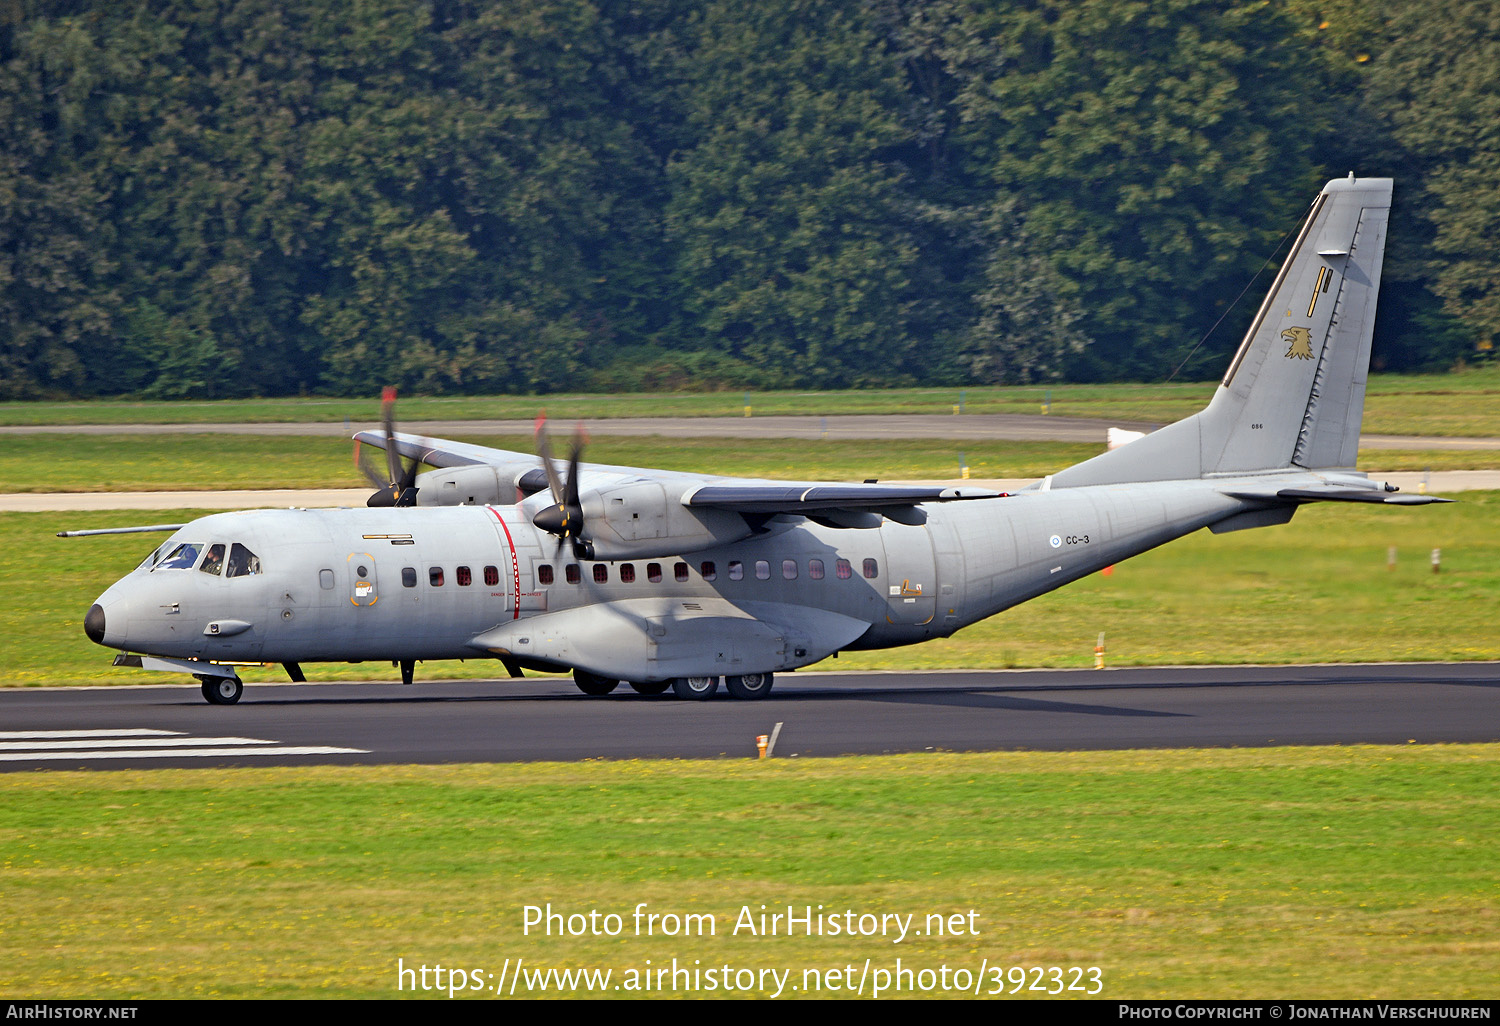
{"x": 1333, "y": 493}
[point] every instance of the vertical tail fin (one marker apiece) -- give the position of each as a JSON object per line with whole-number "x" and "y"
{"x": 1294, "y": 395}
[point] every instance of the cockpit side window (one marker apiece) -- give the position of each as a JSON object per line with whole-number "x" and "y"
{"x": 180, "y": 558}
{"x": 213, "y": 563}
{"x": 242, "y": 562}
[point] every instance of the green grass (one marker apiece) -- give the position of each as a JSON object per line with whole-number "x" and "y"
{"x": 1458, "y": 404}
{"x": 1315, "y": 590}
{"x": 1272, "y": 873}
{"x": 95, "y": 463}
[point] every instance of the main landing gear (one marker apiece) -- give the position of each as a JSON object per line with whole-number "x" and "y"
{"x": 697, "y": 689}
{"x": 221, "y": 690}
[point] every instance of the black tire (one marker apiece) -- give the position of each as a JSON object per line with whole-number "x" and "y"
{"x": 650, "y": 687}
{"x": 751, "y": 685}
{"x": 222, "y": 690}
{"x": 593, "y": 684}
{"x": 699, "y": 689}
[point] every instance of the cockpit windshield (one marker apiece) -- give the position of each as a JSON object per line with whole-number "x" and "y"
{"x": 180, "y": 558}
{"x": 240, "y": 562}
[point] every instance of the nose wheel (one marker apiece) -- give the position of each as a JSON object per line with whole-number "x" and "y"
{"x": 222, "y": 690}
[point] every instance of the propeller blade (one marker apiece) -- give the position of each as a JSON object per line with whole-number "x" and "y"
{"x": 388, "y": 421}
{"x": 398, "y": 485}
{"x": 564, "y": 518}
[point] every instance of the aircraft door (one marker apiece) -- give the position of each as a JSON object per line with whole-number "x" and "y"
{"x": 364, "y": 588}
{"x": 910, "y": 574}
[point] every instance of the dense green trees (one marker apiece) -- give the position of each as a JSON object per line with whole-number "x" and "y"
{"x": 228, "y": 197}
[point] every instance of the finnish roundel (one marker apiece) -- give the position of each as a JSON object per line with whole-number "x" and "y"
{"x": 1055, "y": 542}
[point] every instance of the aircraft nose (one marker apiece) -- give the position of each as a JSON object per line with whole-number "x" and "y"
{"x": 93, "y": 624}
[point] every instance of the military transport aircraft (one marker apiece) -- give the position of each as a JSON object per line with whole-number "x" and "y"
{"x": 681, "y": 581}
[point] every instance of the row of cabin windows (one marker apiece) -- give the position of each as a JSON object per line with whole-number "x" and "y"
{"x": 709, "y": 571}
{"x": 463, "y": 576}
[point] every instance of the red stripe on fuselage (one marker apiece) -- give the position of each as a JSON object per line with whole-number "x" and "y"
{"x": 515, "y": 563}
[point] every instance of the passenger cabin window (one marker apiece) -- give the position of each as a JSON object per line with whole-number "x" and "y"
{"x": 435, "y": 576}
{"x": 736, "y": 570}
{"x": 653, "y": 573}
{"x": 680, "y": 571}
{"x": 181, "y": 558}
{"x": 815, "y": 569}
{"x": 627, "y": 573}
{"x": 408, "y": 577}
{"x": 843, "y": 570}
{"x": 464, "y": 575}
{"x": 762, "y": 570}
{"x": 491, "y": 576}
{"x": 571, "y": 574}
{"x": 707, "y": 570}
{"x": 325, "y": 580}
{"x": 544, "y": 574}
{"x": 601, "y": 573}
{"x": 789, "y": 569}
{"x": 872, "y": 569}
{"x": 242, "y": 562}
{"x": 213, "y": 562}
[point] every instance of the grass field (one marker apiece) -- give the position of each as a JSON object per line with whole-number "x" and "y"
{"x": 93, "y": 463}
{"x": 1288, "y": 873}
{"x": 52, "y": 463}
{"x": 1315, "y": 590}
{"x": 1460, "y": 404}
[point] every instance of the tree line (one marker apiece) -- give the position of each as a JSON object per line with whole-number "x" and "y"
{"x": 246, "y": 197}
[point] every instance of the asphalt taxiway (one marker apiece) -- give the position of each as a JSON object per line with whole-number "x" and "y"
{"x": 822, "y": 714}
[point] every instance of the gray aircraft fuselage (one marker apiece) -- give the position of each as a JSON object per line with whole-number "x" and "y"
{"x": 393, "y": 584}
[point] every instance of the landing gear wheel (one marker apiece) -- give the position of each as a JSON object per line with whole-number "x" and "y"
{"x": 222, "y": 690}
{"x": 699, "y": 689}
{"x": 593, "y": 684}
{"x": 751, "y": 685}
{"x": 650, "y": 687}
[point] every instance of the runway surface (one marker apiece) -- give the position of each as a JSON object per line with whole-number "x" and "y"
{"x": 822, "y": 714}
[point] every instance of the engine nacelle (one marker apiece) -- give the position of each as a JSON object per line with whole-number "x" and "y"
{"x": 472, "y": 485}
{"x": 638, "y": 518}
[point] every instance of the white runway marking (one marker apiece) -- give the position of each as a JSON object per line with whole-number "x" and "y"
{"x": 130, "y": 742}
{"x": 143, "y": 743}
{"x": 177, "y": 753}
{"x": 140, "y": 732}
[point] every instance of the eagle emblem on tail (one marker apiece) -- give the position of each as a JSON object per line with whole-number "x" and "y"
{"x": 1299, "y": 343}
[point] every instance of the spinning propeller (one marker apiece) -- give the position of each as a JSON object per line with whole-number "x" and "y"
{"x": 564, "y": 518}
{"x": 397, "y": 487}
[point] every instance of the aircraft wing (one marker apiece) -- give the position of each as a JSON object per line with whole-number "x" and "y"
{"x": 735, "y": 495}
{"x": 437, "y": 452}
{"x": 775, "y": 497}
